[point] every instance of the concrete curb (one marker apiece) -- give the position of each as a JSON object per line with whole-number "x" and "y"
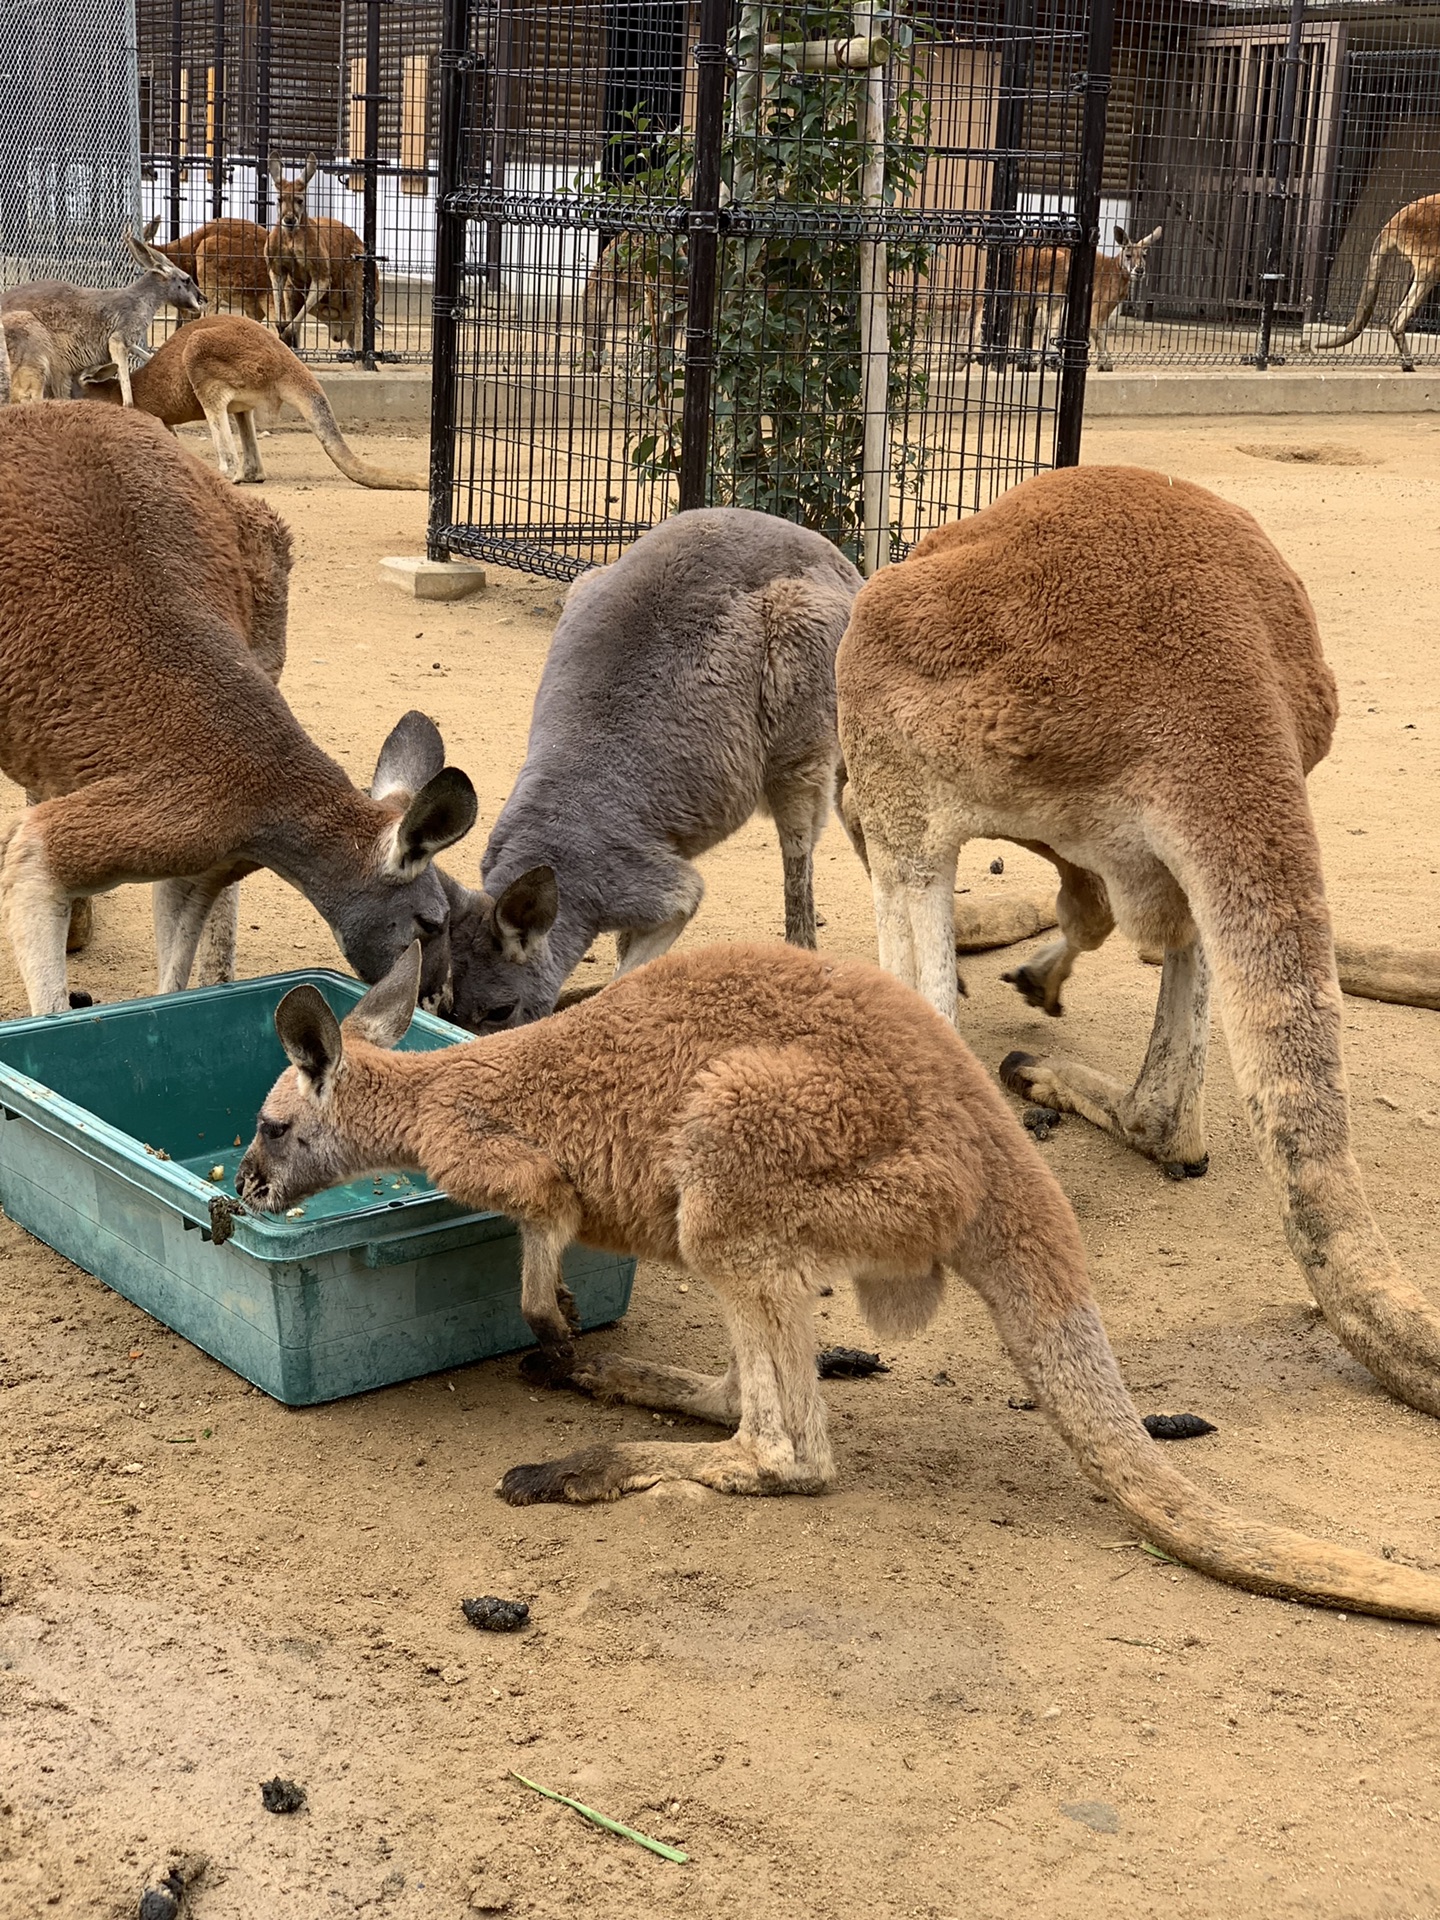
{"x": 401, "y": 396}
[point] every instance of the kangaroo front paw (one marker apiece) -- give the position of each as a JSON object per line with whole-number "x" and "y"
{"x": 1035, "y": 989}
{"x": 550, "y": 1366}
{"x": 1015, "y": 1072}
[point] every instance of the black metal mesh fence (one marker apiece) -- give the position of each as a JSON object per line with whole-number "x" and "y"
{"x": 804, "y": 258}
{"x": 69, "y": 159}
{"x": 227, "y": 86}
{"x": 1270, "y": 148}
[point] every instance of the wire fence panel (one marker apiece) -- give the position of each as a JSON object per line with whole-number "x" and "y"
{"x": 806, "y": 258}
{"x": 69, "y": 140}
{"x": 1275, "y": 153}
{"x": 228, "y": 87}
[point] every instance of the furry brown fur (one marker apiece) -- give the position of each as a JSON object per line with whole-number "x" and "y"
{"x": 226, "y": 259}
{"x": 142, "y": 622}
{"x": 1413, "y": 233}
{"x": 28, "y": 354}
{"x": 774, "y": 1123}
{"x": 314, "y": 263}
{"x": 224, "y": 370}
{"x": 1120, "y": 672}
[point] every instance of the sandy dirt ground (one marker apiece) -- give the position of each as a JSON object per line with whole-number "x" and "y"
{"x": 954, "y": 1686}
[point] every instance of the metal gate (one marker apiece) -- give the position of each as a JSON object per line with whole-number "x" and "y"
{"x": 834, "y": 264}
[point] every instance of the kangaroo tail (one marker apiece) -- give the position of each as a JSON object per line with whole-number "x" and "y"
{"x": 1023, "y": 1253}
{"x": 1259, "y": 902}
{"x": 1369, "y": 293}
{"x": 307, "y": 396}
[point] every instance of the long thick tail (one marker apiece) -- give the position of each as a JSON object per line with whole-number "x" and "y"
{"x": 1258, "y": 898}
{"x": 1074, "y": 1375}
{"x": 308, "y": 399}
{"x": 1024, "y": 1255}
{"x": 1369, "y": 293}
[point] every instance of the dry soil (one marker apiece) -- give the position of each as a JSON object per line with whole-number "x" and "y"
{"x": 955, "y": 1685}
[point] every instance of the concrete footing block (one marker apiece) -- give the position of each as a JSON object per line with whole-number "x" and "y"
{"x": 426, "y": 579}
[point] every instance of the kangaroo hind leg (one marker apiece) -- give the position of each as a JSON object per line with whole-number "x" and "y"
{"x": 1082, "y": 907}
{"x": 1163, "y": 1114}
{"x": 799, "y": 803}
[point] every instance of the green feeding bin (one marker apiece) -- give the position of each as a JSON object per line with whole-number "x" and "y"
{"x": 113, "y": 1121}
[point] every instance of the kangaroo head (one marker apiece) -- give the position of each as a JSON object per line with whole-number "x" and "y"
{"x": 1133, "y": 252}
{"x": 425, "y": 806}
{"x": 290, "y": 193}
{"x": 502, "y": 970}
{"x": 173, "y": 285}
{"x": 300, "y": 1144}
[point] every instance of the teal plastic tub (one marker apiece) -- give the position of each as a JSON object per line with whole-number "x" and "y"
{"x": 120, "y": 1131}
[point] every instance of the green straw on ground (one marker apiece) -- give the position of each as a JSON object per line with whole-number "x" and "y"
{"x": 603, "y": 1820}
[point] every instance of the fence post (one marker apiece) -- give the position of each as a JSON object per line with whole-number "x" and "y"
{"x": 177, "y": 33}
{"x": 1283, "y": 153}
{"x": 445, "y": 299}
{"x": 1080, "y": 281}
{"x": 702, "y": 248}
{"x": 1017, "y": 59}
{"x": 502, "y": 62}
{"x": 369, "y": 284}
{"x": 217, "y": 122}
{"x": 262, "y": 113}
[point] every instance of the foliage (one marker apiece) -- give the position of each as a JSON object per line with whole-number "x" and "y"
{"x": 788, "y": 421}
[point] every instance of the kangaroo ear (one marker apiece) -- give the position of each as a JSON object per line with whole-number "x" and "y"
{"x": 1120, "y": 239}
{"x": 1151, "y": 238}
{"x": 145, "y": 255}
{"x": 100, "y": 376}
{"x": 275, "y": 170}
{"x": 412, "y": 754}
{"x": 385, "y": 1012}
{"x": 152, "y": 227}
{"x": 311, "y": 163}
{"x": 440, "y": 814}
{"x": 310, "y": 1035}
{"x": 525, "y": 913}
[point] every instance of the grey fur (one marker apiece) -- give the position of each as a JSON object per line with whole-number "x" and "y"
{"x": 90, "y": 325}
{"x": 689, "y": 684}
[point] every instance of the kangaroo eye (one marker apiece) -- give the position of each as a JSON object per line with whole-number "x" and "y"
{"x": 497, "y": 1016}
{"x": 274, "y": 1129}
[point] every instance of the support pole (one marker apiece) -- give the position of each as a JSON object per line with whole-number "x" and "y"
{"x": 177, "y": 34}
{"x": 1017, "y": 59}
{"x": 874, "y": 323}
{"x": 702, "y": 245}
{"x": 455, "y": 66}
{"x": 502, "y": 66}
{"x": 263, "y": 47}
{"x": 217, "y": 124}
{"x": 1282, "y": 166}
{"x": 1080, "y": 281}
{"x": 370, "y": 278}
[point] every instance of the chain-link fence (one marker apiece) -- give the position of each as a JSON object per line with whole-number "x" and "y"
{"x": 69, "y": 140}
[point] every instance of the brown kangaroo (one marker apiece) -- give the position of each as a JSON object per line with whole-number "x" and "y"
{"x": 1042, "y": 275}
{"x": 1120, "y": 672}
{"x": 1413, "y": 233}
{"x": 28, "y": 360}
{"x": 142, "y": 624}
{"x": 314, "y": 263}
{"x": 773, "y": 1122}
{"x": 224, "y": 370}
{"x": 226, "y": 259}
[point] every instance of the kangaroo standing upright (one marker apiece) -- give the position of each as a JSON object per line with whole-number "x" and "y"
{"x": 142, "y": 622}
{"x": 314, "y": 263}
{"x": 774, "y": 1123}
{"x": 687, "y": 685}
{"x": 1119, "y": 671}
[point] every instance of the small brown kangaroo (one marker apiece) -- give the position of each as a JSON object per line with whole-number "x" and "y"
{"x": 224, "y": 370}
{"x": 142, "y": 627}
{"x": 1119, "y": 671}
{"x": 774, "y": 1123}
{"x": 314, "y": 263}
{"x": 1413, "y": 233}
{"x": 1042, "y": 275}
{"x": 226, "y": 259}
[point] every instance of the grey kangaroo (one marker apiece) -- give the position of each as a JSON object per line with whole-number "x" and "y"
{"x": 687, "y": 685}
{"x": 93, "y": 324}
